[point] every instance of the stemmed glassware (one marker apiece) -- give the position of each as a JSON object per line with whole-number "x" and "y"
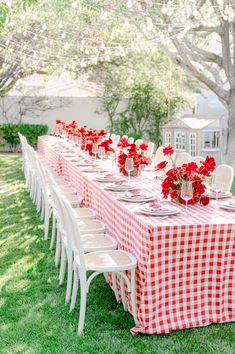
{"x": 95, "y": 149}
{"x": 101, "y": 152}
{"x": 186, "y": 192}
{"x": 129, "y": 166}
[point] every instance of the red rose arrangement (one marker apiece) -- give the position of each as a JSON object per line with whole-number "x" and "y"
{"x": 88, "y": 136}
{"x": 171, "y": 186}
{"x": 134, "y": 151}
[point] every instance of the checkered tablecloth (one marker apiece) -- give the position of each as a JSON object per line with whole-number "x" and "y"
{"x": 186, "y": 265}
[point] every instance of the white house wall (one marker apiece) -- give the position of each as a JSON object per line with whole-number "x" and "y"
{"x": 83, "y": 109}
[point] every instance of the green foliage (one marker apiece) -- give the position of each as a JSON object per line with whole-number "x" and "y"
{"x": 9, "y": 133}
{"x": 147, "y": 109}
{"x": 4, "y": 15}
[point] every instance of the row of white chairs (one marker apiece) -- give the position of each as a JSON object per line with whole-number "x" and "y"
{"x": 82, "y": 244}
{"x": 223, "y": 175}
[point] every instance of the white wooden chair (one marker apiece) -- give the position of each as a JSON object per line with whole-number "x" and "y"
{"x": 198, "y": 160}
{"x": 113, "y": 261}
{"x": 131, "y": 140}
{"x": 183, "y": 157}
{"x": 92, "y": 236}
{"x": 223, "y": 178}
{"x": 149, "y": 152}
{"x": 159, "y": 156}
{"x": 139, "y": 142}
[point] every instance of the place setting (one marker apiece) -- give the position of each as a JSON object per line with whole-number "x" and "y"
{"x": 136, "y": 196}
{"x": 108, "y": 178}
{"x": 158, "y": 209}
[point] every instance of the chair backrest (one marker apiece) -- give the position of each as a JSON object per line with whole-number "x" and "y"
{"x": 131, "y": 140}
{"x": 183, "y": 157}
{"x": 150, "y": 149}
{"x": 112, "y": 136}
{"x": 198, "y": 160}
{"x": 72, "y": 229}
{"x": 107, "y": 135}
{"x": 223, "y": 179}
{"x": 159, "y": 156}
{"x": 139, "y": 142}
{"x": 124, "y": 137}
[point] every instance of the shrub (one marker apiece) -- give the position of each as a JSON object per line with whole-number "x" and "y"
{"x": 9, "y": 133}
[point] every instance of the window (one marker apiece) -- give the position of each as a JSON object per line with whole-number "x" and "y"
{"x": 167, "y": 138}
{"x": 211, "y": 139}
{"x": 180, "y": 141}
{"x": 192, "y": 144}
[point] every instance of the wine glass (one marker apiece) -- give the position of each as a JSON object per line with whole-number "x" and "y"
{"x": 129, "y": 166}
{"x": 186, "y": 192}
{"x": 141, "y": 168}
{"x": 101, "y": 152}
{"x": 215, "y": 188}
{"x": 95, "y": 148}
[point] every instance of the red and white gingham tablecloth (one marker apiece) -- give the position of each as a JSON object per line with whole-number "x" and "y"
{"x": 186, "y": 266}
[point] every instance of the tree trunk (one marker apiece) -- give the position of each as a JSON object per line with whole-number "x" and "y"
{"x": 231, "y": 132}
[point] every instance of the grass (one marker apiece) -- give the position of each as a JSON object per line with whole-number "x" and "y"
{"x": 33, "y": 314}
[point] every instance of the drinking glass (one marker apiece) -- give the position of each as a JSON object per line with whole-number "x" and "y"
{"x": 95, "y": 148}
{"x": 101, "y": 152}
{"x": 141, "y": 168}
{"x": 186, "y": 192}
{"x": 129, "y": 166}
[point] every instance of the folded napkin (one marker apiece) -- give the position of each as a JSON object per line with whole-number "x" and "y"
{"x": 154, "y": 206}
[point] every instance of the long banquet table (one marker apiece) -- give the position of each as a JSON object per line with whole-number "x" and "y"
{"x": 186, "y": 265}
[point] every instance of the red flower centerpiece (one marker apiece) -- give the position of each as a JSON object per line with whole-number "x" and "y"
{"x": 171, "y": 186}
{"x": 134, "y": 151}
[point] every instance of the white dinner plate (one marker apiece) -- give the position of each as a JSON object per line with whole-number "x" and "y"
{"x": 165, "y": 210}
{"x": 107, "y": 179}
{"x": 121, "y": 188}
{"x": 229, "y": 205}
{"x": 136, "y": 198}
{"x": 220, "y": 195}
{"x": 93, "y": 170}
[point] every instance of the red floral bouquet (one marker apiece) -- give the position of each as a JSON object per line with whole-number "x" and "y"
{"x": 171, "y": 186}
{"x": 134, "y": 151}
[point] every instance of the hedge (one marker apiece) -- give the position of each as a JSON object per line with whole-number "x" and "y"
{"x": 9, "y": 133}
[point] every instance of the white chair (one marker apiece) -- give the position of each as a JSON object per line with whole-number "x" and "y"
{"x": 131, "y": 140}
{"x": 223, "y": 178}
{"x": 113, "y": 261}
{"x": 183, "y": 157}
{"x": 198, "y": 160}
{"x": 159, "y": 156}
{"x": 82, "y": 213}
{"x": 138, "y": 142}
{"x": 92, "y": 236}
{"x": 124, "y": 137}
{"x": 149, "y": 152}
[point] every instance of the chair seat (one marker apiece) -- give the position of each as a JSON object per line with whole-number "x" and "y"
{"x": 90, "y": 226}
{"x": 94, "y": 242}
{"x": 106, "y": 261}
{"x": 84, "y": 213}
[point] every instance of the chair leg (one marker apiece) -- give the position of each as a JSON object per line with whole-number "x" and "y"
{"x": 69, "y": 277}
{"x": 75, "y": 289}
{"x": 115, "y": 285}
{"x": 133, "y": 296}
{"x": 46, "y": 224}
{"x": 106, "y": 277}
{"x": 82, "y": 303}
{"x": 62, "y": 265}
{"x": 122, "y": 285}
{"x": 53, "y": 232}
{"x": 58, "y": 248}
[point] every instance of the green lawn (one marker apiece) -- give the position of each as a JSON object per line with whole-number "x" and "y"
{"x": 33, "y": 314}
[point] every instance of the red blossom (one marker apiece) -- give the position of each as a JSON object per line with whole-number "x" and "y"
{"x": 168, "y": 150}
{"x": 144, "y": 146}
{"x": 204, "y": 200}
{"x": 161, "y": 165}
